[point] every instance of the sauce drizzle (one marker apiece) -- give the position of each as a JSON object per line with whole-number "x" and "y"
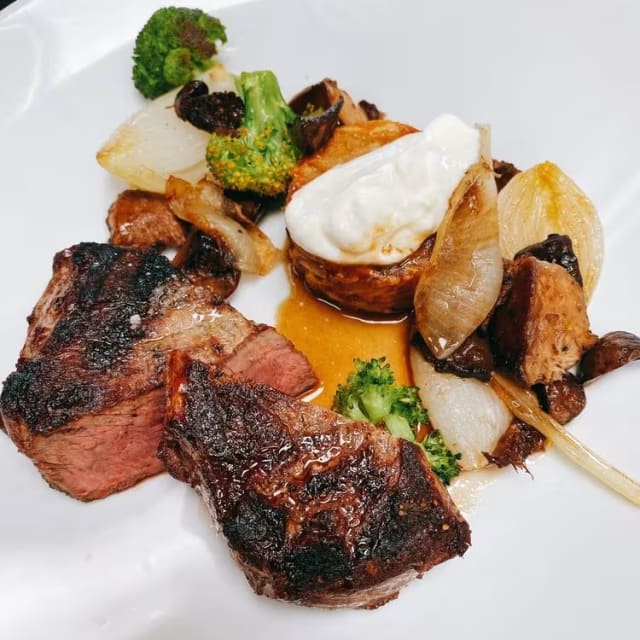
{"x": 331, "y": 339}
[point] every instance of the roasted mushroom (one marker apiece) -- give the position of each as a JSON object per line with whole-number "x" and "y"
{"x": 612, "y": 351}
{"x": 144, "y": 219}
{"x": 541, "y": 329}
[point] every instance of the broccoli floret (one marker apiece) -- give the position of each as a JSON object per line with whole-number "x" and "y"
{"x": 371, "y": 394}
{"x": 260, "y": 155}
{"x": 442, "y": 460}
{"x": 173, "y": 46}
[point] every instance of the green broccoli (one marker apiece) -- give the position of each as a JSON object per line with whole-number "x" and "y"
{"x": 173, "y": 46}
{"x": 371, "y": 394}
{"x": 261, "y": 154}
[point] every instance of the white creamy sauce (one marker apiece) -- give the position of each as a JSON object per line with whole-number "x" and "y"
{"x": 380, "y": 207}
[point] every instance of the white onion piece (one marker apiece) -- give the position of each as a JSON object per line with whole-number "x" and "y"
{"x": 525, "y": 407}
{"x": 463, "y": 278}
{"x": 154, "y": 143}
{"x": 205, "y": 206}
{"x": 468, "y": 412}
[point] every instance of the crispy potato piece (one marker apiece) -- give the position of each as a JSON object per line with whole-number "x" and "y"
{"x": 347, "y": 142}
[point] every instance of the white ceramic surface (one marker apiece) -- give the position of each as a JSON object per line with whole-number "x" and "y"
{"x": 553, "y": 557}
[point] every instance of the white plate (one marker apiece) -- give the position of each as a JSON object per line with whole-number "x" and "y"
{"x": 553, "y": 557}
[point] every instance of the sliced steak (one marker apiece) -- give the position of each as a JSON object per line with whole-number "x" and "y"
{"x": 85, "y": 402}
{"x": 318, "y": 509}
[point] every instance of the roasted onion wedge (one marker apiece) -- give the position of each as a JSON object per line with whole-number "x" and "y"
{"x": 545, "y": 200}
{"x": 467, "y": 412}
{"x": 462, "y": 281}
{"x": 206, "y": 207}
{"x": 524, "y": 406}
{"x": 155, "y": 143}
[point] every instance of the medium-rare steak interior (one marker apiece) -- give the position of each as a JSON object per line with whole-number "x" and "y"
{"x": 318, "y": 509}
{"x": 86, "y": 402}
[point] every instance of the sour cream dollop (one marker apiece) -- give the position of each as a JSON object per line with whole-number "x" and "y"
{"x": 380, "y": 207}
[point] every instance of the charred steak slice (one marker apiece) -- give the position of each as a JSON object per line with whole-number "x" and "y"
{"x": 318, "y": 509}
{"x": 85, "y": 402}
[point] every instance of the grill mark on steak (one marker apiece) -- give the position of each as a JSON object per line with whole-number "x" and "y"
{"x": 318, "y": 509}
{"x": 84, "y": 386}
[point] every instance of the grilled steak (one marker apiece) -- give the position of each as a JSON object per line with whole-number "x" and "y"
{"x": 85, "y": 402}
{"x": 318, "y": 509}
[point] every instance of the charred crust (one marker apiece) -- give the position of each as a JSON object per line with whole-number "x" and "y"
{"x": 255, "y": 529}
{"x": 94, "y": 334}
{"x": 315, "y": 567}
{"x": 39, "y": 394}
{"x": 415, "y": 515}
{"x": 306, "y": 526}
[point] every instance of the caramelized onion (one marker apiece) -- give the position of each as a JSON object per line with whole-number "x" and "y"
{"x": 206, "y": 207}
{"x": 524, "y": 406}
{"x": 462, "y": 281}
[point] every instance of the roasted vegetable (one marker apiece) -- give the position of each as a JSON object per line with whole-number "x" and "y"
{"x": 544, "y": 200}
{"x": 155, "y": 143}
{"x": 461, "y": 283}
{"x": 372, "y": 395}
{"x": 205, "y": 206}
{"x": 541, "y": 329}
{"x": 612, "y": 351}
{"x": 217, "y": 111}
{"x": 173, "y": 47}
{"x": 468, "y": 414}
{"x": 260, "y": 155}
{"x": 524, "y": 406}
